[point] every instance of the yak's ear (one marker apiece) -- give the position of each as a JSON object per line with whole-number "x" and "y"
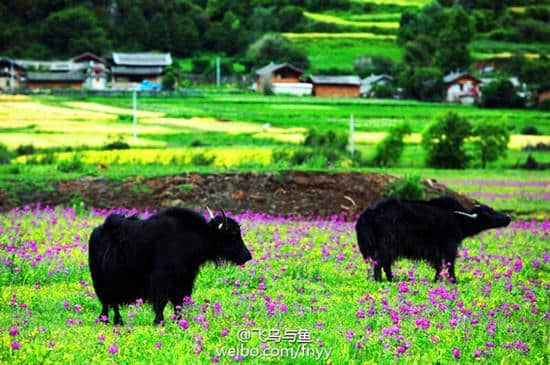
{"x": 472, "y": 216}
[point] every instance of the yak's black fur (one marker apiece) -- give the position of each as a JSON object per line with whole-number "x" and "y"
{"x": 428, "y": 230}
{"x": 157, "y": 259}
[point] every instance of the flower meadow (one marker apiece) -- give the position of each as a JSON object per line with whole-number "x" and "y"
{"x": 307, "y": 276}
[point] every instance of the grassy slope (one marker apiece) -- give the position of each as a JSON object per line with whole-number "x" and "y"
{"x": 378, "y": 22}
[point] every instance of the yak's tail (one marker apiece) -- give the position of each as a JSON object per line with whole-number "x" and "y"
{"x": 366, "y": 238}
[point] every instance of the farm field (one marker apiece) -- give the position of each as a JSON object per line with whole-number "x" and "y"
{"x": 304, "y": 274}
{"x": 372, "y": 32}
{"x": 174, "y": 129}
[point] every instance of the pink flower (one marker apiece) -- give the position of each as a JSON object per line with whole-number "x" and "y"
{"x": 15, "y": 345}
{"x": 101, "y": 338}
{"x": 113, "y": 349}
{"x": 456, "y": 353}
{"x": 224, "y": 332}
{"x": 360, "y": 314}
{"x": 283, "y": 308}
{"x": 13, "y": 331}
{"x": 77, "y": 308}
{"x": 183, "y": 324}
{"x": 158, "y": 345}
{"x": 477, "y": 353}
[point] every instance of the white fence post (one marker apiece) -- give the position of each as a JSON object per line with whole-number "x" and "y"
{"x": 135, "y": 115}
{"x": 351, "y": 143}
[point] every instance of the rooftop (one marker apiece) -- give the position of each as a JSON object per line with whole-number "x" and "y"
{"x": 275, "y": 66}
{"x": 335, "y": 80}
{"x": 453, "y": 76}
{"x": 142, "y": 59}
{"x": 56, "y": 76}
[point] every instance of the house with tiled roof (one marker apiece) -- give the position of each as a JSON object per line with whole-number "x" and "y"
{"x": 335, "y": 86}
{"x": 461, "y": 87}
{"x": 131, "y": 69}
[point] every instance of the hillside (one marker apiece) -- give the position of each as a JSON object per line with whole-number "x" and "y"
{"x": 189, "y": 29}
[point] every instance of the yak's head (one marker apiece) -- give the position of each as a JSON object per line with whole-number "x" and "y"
{"x": 229, "y": 244}
{"x": 482, "y": 217}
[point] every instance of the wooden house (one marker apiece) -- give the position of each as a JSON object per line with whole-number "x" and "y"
{"x": 130, "y": 69}
{"x": 461, "y": 87}
{"x": 11, "y": 74}
{"x": 284, "y": 78}
{"x": 55, "y": 80}
{"x": 335, "y": 86}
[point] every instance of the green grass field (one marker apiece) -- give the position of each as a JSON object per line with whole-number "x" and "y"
{"x": 307, "y": 277}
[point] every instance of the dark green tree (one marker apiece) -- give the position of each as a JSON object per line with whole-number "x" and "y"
{"x": 134, "y": 31}
{"x": 290, "y": 18}
{"x": 73, "y": 30}
{"x": 274, "y": 47}
{"x": 452, "y": 53}
{"x": 444, "y": 140}
{"x": 500, "y": 94}
{"x": 160, "y": 38}
{"x": 491, "y": 141}
{"x": 424, "y": 83}
{"x": 389, "y": 150}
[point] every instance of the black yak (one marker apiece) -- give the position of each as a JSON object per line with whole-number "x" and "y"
{"x": 157, "y": 259}
{"x": 428, "y": 230}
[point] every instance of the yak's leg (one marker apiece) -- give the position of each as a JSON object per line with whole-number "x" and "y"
{"x": 177, "y": 302}
{"x": 118, "y": 318}
{"x": 437, "y": 271}
{"x": 387, "y": 270}
{"x": 452, "y": 276}
{"x": 104, "y": 316}
{"x": 160, "y": 294}
{"x": 377, "y": 272}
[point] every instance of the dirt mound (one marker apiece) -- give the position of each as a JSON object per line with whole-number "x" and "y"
{"x": 287, "y": 193}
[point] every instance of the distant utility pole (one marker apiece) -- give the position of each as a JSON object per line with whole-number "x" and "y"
{"x": 218, "y": 71}
{"x": 12, "y": 86}
{"x": 135, "y": 115}
{"x": 351, "y": 143}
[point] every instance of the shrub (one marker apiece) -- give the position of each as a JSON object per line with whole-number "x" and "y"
{"x": 202, "y": 159}
{"x": 491, "y": 141}
{"x": 500, "y": 94}
{"x": 27, "y": 149}
{"x": 116, "y": 145}
{"x": 199, "y": 65}
{"x": 125, "y": 118}
{"x": 545, "y": 105}
{"x": 409, "y": 187}
{"x": 5, "y": 155}
{"x": 389, "y": 150}
{"x": 530, "y": 130}
{"x": 329, "y": 139}
{"x": 384, "y": 91}
{"x": 72, "y": 165}
{"x": 443, "y": 141}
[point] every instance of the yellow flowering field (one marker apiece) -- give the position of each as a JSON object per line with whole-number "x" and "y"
{"x": 223, "y": 156}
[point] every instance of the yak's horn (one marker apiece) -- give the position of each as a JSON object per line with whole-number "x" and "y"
{"x": 473, "y": 216}
{"x": 210, "y": 212}
{"x": 350, "y": 199}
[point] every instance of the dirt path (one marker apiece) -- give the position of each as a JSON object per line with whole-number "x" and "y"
{"x": 289, "y": 193}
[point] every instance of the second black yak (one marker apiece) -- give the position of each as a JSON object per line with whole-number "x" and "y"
{"x": 428, "y": 230}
